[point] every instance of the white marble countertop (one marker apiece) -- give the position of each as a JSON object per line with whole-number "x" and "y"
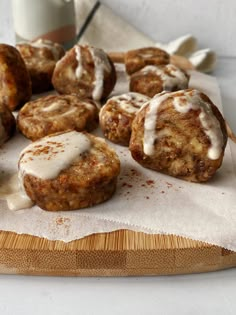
{"x": 211, "y": 293}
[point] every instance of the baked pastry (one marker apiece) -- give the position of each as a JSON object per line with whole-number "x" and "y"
{"x": 154, "y": 79}
{"x": 182, "y": 134}
{"x": 54, "y": 113}
{"x": 7, "y": 123}
{"x": 15, "y": 84}
{"x": 68, "y": 171}
{"x": 86, "y": 71}
{"x": 137, "y": 59}
{"x": 40, "y": 57}
{"x": 117, "y": 115}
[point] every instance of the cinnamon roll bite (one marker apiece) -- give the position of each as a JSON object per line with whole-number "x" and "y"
{"x": 68, "y": 171}
{"x": 137, "y": 59}
{"x": 182, "y": 134}
{"x": 152, "y": 80}
{"x": 15, "y": 83}
{"x": 86, "y": 71}
{"x": 40, "y": 57}
{"x": 117, "y": 115}
{"x": 55, "y": 113}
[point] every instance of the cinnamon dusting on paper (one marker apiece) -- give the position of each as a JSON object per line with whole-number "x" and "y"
{"x": 169, "y": 185}
{"x": 126, "y": 184}
{"x": 63, "y": 222}
{"x": 150, "y": 182}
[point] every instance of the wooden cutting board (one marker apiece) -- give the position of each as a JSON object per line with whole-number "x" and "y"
{"x": 119, "y": 253}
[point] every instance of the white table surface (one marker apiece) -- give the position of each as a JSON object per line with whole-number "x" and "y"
{"x": 211, "y": 293}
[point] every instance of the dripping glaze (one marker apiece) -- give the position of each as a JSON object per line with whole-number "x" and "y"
{"x": 101, "y": 65}
{"x": 45, "y": 159}
{"x": 191, "y": 100}
{"x": 175, "y": 77}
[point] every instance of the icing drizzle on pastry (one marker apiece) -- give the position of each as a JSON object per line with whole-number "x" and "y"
{"x": 101, "y": 65}
{"x": 61, "y": 107}
{"x": 188, "y": 100}
{"x": 170, "y": 75}
{"x": 55, "y": 107}
{"x": 130, "y": 102}
{"x": 45, "y": 159}
{"x": 79, "y": 70}
{"x": 54, "y": 47}
{"x": 150, "y": 122}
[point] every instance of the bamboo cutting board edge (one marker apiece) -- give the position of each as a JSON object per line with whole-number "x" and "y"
{"x": 119, "y": 253}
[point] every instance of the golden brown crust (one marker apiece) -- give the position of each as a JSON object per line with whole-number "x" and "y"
{"x": 55, "y": 113}
{"x": 152, "y": 80}
{"x": 90, "y": 180}
{"x": 137, "y": 59}
{"x": 181, "y": 145}
{"x": 40, "y": 59}
{"x": 65, "y": 80}
{"x": 116, "y": 121}
{"x": 7, "y": 123}
{"x": 15, "y": 84}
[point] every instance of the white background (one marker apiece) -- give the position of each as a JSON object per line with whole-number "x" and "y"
{"x": 213, "y": 23}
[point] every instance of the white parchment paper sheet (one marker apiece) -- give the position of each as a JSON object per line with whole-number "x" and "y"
{"x": 144, "y": 201}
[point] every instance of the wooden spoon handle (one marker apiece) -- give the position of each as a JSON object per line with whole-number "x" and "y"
{"x": 118, "y": 57}
{"x": 179, "y": 61}
{"x": 230, "y": 133}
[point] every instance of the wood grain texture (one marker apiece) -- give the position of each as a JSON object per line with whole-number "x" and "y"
{"x": 119, "y": 253}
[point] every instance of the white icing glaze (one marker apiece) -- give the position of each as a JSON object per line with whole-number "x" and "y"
{"x": 212, "y": 129}
{"x": 146, "y": 55}
{"x": 130, "y": 102}
{"x": 79, "y": 70}
{"x": 19, "y": 201}
{"x": 177, "y": 77}
{"x": 191, "y": 100}
{"x": 70, "y": 111}
{"x": 53, "y": 106}
{"x": 101, "y": 64}
{"x": 47, "y": 44}
{"x": 90, "y": 106}
{"x": 208, "y": 120}
{"x": 11, "y": 192}
{"x": 150, "y": 123}
{"x": 47, "y": 157}
{"x": 62, "y": 104}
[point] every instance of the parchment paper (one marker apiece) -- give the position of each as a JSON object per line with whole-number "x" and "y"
{"x": 144, "y": 201}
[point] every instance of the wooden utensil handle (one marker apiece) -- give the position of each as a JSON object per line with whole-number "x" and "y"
{"x": 179, "y": 61}
{"x": 118, "y": 57}
{"x": 230, "y": 133}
